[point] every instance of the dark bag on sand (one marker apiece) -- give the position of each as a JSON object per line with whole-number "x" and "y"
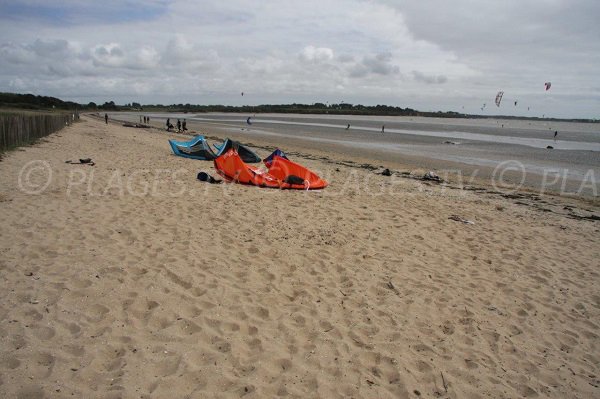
{"x": 203, "y": 176}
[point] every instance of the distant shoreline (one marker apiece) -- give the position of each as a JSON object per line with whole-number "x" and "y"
{"x": 44, "y": 103}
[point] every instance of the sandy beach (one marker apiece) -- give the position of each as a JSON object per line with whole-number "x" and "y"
{"x": 130, "y": 278}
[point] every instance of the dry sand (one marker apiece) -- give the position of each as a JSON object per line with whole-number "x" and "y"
{"x": 130, "y": 278}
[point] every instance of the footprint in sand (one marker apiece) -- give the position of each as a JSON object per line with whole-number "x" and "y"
{"x": 263, "y": 313}
{"x": 30, "y": 392}
{"x": 11, "y": 362}
{"x": 74, "y": 350}
{"x": 44, "y": 333}
{"x": 423, "y": 367}
{"x": 284, "y": 364}
{"x": 42, "y": 365}
{"x": 97, "y": 312}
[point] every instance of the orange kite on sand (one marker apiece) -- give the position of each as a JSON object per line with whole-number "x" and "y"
{"x": 282, "y": 173}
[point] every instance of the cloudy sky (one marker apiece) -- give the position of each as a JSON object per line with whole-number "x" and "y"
{"x": 429, "y": 54}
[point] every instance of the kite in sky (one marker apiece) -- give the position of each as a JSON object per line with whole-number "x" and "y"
{"x": 499, "y": 98}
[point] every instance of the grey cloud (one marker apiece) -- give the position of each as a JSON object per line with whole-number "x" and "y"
{"x": 103, "y": 51}
{"x": 379, "y": 64}
{"x": 110, "y": 55}
{"x": 429, "y": 79}
{"x": 50, "y": 49}
{"x": 19, "y": 53}
{"x": 15, "y": 54}
{"x": 344, "y": 58}
{"x": 359, "y": 71}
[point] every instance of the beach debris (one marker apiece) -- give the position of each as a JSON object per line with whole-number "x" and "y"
{"x": 386, "y": 172}
{"x": 203, "y": 176}
{"x": 444, "y": 382}
{"x": 137, "y": 125}
{"x": 29, "y": 274}
{"x": 87, "y": 161}
{"x": 450, "y": 142}
{"x": 547, "y": 85}
{"x": 549, "y": 147}
{"x": 431, "y": 176}
{"x": 492, "y": 308}
{"x": 460, "y": 219}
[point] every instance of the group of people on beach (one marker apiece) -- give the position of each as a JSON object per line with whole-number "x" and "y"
{"x": 181, "y": 126}
{"x": 146, "y": 119}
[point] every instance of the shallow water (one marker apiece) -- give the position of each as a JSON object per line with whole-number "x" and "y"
{"x": 457, "y": 134}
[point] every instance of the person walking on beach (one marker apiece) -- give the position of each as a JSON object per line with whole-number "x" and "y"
{"x": 178, "y": 126}
{"x": 555, "y": 134}
{"x": 348, "y": 127}
{"x": 106, "y": 118}
{"x": 168, "y": 124}
{"x": 383, "y": 129}
{"x": 184, "y": 125}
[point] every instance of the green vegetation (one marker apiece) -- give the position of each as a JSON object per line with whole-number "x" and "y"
{"x": 316, "y": 108}
{"x": 29, "y": 101}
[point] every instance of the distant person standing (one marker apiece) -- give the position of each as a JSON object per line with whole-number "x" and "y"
{"x": 383, "y": 129}
{"x": 106, "y": 118}
{"x": 555, "y": 134}
{"x": 178, "y": 126}
{"x": 184, "y": 125}
{"x": 348, "y": 127}
{"x": 168, "y": 124}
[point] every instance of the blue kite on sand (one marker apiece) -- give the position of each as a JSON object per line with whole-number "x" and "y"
{"x": 244, "y": 152}
{"x": 268, "y": 160}
{"x": 198, "y": 148}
